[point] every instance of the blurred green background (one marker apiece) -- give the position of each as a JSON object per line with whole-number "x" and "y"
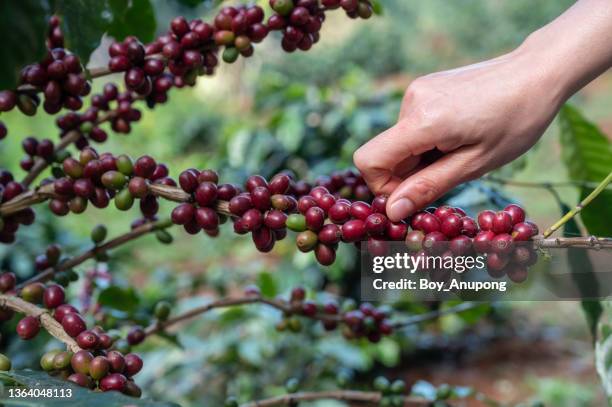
{"x": 309, "y": 112}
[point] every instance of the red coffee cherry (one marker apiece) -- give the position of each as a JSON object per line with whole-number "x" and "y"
{"x": 145, "y": 166}
{"x": 330, "y": 234}
{"x": 502, "y": 222}
{"x": 496, "y": 261}
{"x": 264, "y": 239}
{"x": 353, "y": 231}
{"x": 325, "y": 255}
{"x": 451, "y": 224}
{"x": 114, "y": 381}
{"x": 396, "y": 230}
{"x": 275, "y": 219}
{"x": 379, "y": 204}
{"x": 340, "y": 212}
{"x": 53, "y": 296}
{"x": 428, "y": 223}
{"x": 87, "y": 340}
{"x": 279, "y": 184}
{"x": 516, "y": 213}
{"x": 377, "y": 247}
{"x": 460, "y": 245}
{"x": 435, "y": 243}
{"x": 360, "y": 210}
{"x": 523, "y": 231}
{"x": 260, "y": 197}
{"x": 62, "y": 310}
{"x": 255, "y": 181}
{"x": 28, "y": 327}
{"x": 517, "y": 273}
{"x": 315, "y": 218}
{"x": 73, "y": 324}
{"x": 226, "y": 192}
{"x": 183, "y": 214}
{"x": 252, "y": 219}
{"x": 207, "y": 218}
{"x": 206, "y": 193}
{"x": 99, "y": 367}
{"x": 482, "y": 241}
{"x": 502, "y": 244}
{"x": 414, "y": 240}
{"x": 136, "y": 335}
{"x": 81, "y": 361}
{"x": 443, "y": 211}
{"x": 485, "y": 220}
{"x": 188, "y": 180}
{"x": 133, "y": 364}
{"x": 468, "y": 226}
{"x": 116, "y": 361}
{"x": 7, "y": 281}
{"x": 239, "y": 204}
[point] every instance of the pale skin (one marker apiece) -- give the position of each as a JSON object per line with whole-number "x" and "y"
{"x": 482, "y": 116}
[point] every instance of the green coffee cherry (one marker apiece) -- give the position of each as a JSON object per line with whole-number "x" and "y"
{"x": 125, "y": 165}
{"x": 46, "y": 361}
{"x": 98, "y": 234}
{"x": 33, "y": 293}
{"x": 62, "y": 360}
{"x": 296, "y": 222}
{"x": 86, "y": 127}
{"x": 283, "y": 7}
{"x": 5, "y": 362}
{"x": 163, "y": 236}
{"x": 113, "y": 180}
{"x": 77, "y": 205}
{"x": 294, "y": 324}
{"x": 230, "y": 54}
{"x": 62, "y": 278}
{"x": 398, "y": 387}
{"x": 124, "y": 200}
{"x": 306, "y": 241}
{"x": 162, "y": 310}
{"x": 381, "y": 384}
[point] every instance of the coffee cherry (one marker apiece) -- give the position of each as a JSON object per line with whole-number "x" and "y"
{"x": 73, "y": 324}
{"x": 87, "y": 340}
{"x": 517, "y": 214}
{"x": 283, "y": 203}
{"x": 482, "y": 241}
{"x": 496, "y": 261}
{"x": 275, "y": 219}
{"x": 330, "y": 234}
{"x": 114, "y": 381}
{"x": 136, "y": 335}
{"x": 377, "y": 247}
{"x": 360, "y": 210}
{"x": 451, "y": 225}
{"x": 138, "y": 187}
{"x": 183, "y": 214}
{"x": 279, "y": 184}
{"x": 376, "y": 224}
{"x": 468, "y": 226}
{"x": 81, "y": 361}
{"x": 99, "y": 367}
{"x": 315, "y": 218}
{"x": 33, "y": 292}
{"x": 207, "y": 218}
{"x": 435, "y": 242}
{"x": 485, "y": 220}
{"x": 502, "y": 244}
{"x": 80, "y": 379}
{"x": 354, "y": 230}
{"x": 105, "y": 341}
{"x": 239, "y": 204}
{"x": 443, "y": 211}
{"x": 396, "y": 231}
{"x": 46, "y": 361}
{"x": 252, "y": 219}
{"x": 5, "y": 363}
{"x": 133, "y": 364}
{"x": 145, "y": 166}
{"x": 296, "y": 222}
{"x": 502, "y": 222}
{"x": 414, "y": 240}
{"x": 7, "y": 281}
{"x": 98, "y": 234}
{"x": 206, "y": 193}
{"x": 523, "y": 255}
{"x": 517, "y": 273}
{"x": 340, "y": 212}
{"x": 116, "y": 361}
{"x": 62, "y": 360}
{"x": 306, "y": 241}
{"x": 523, "y": 231}
{"x": 162, "y": 310}
{"x": 28, "y": 327}
{"x": 429, "y": 223}
{"x": 53, "y": 296}
{"x": 62, "y": 310}
{"x": 226, "y": 192}
{"x": 460, "y": 245}
{"x": 260, "y": 197}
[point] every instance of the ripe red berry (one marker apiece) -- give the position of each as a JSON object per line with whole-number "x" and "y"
{"x": 99, "y": 367}
{"x": 377, "y": 247}
{"x": 485, "y": 220}
{"x": 482, "y": 241}
{"x": 252, "y": 219}
{"x": 516, "y": 213}
{"x": 226, "y": 192}
{"x": 260, "y": 197}
{"x": 309, "y": 308}
{"x": 207, "y": 218}
{"x": 523, "y": 231}
{"x": 435, "y": 243}
{"x": 451, "y": 225}
{"x": 379, "y": 204}
{"x": 255, "y": 181}
{"x": 7, "y": 281}
{"x": 81, "y": 361}
{"x": 136, "y": 335}
{"x": 315, "y": 218}
{"x": 330, "y": 234}
{"x": 443, "y": 211}
{"x": 239, "y": 204}
{"x": 73, "y": 324}
{"x": 325, "y": 254}
{"x": 517, "y": 273}
{"x": 145, "y": 166}
{"x": 376, "y": 224}
{"x": 116, "y": 361}
{"x": 87, "y": 339}
{"x": 414, "y": 240}
{"x": 428, "y": 223}
{"x": 502, "y": 222}
{"x": 468, "y": 226}
{"x": 340, "y": 212}
{"x": 183, "y": 214}
{"x": 188, "y": 181}
{"x": 275, "y": 219}
{"x": 206, "y": 193}
{"x": 54, "y": 296}
{"x": 354, "y": 230}
{"x": 114, "y": 381}
{"x": 360, "y": 210}
{"x": 133, "y": 364}
{"x": 264, "y": 239}
{"x": 496, "y": 261}
{"x": 279, "y": 184}
{"x": 460, "y": 245}
{"x": 62, "y": 310}
{"x": 396, "y": 230}
{"x": 502, "y": 244}
{"x": 28, "y": 327}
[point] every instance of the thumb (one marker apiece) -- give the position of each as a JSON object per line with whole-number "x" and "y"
{"x": 431, "y": 182}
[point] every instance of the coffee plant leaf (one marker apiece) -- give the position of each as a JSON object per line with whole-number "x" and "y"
{"x": 587, "y": 154}
{"x": 83, "y": 24}
{"x": 81, "y": 397}
{"x": 22, "y": 27}
{"x": 135, "y": 17}
{"x": 119, "y": 298}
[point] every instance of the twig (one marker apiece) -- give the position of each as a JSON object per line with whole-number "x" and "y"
{"x": 367, "y": 397}
{"x": 46, "y": 320}
{"x": 601, "y": 187}
{"x": 91, "y": 253}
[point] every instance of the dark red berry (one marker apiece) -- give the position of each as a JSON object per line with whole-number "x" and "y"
{"x": 7, "y": 281}
{"x": 136, "y": 336}
{"x": 502, "y": 244}
{"x": 315, "y": 218}
{"x": 482, "y": 241}
{"x": 145, "y": 166}
{"x": 54, "y": 296}
{"x": 485, "y": 220}
{"x": 133, "y": 364}
{"x": 114, "y": 381}
{"x": 116, "y": 361}
{"x": 396, "y": 230}
{"x": 414, "y": 240}
{"x": 360, "y": 210}
{"x": 502, "y": 222}
{"x": 451, "y": 225}
{"x": 62, "y": 310}
{"x": 73, "y": 324}
{"x": 87, "y": 339}
{"x": 206, "y": 193}
{"x": 516, "y": 213}
{"x": 275, "y": 219}
{"x": 354, "y": 230}
{"x": 468, "y": 226}
{"x": 28, "y": 327}
{"x": 376, "y": 224}
{"x": 183, "y": 214}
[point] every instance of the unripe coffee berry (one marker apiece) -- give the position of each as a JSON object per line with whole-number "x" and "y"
{"x": 306, "y": 241}
{"x": 81, "y": 361}
{"x": 33, "y": 292}
{"x": 296, "y": 222}
{"x": 62, "y": 360}
{"x": 162, "y": 310}
{"x": 99, "y": 367}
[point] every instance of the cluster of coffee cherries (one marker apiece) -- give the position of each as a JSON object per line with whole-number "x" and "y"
{"x": 365, "y": 321}
{"x": 99, "y": 178}
{"x": 300, "y": 20}
{"x": 99, "y": 363}
{"x": 503, "y": 236}
{"x": 35, "y": 148}
{"x": 9, "y": 189}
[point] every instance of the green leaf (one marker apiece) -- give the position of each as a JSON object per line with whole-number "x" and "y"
{"x": 267, "y": 285}
{"x": 23, "y": 25}
{"x": 119, "y": 298}
{"x": 83, "y": 23}
{"x": 81, "y": 397}
{"x": 587, "y": 153}
{"x": 134, "y": 17}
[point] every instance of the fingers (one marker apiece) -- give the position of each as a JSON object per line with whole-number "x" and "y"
{"x": 431, "y": 182}
{"x": 391, "y": 153}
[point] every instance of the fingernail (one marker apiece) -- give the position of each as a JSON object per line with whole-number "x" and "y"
{"x": 400, "y": 209}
